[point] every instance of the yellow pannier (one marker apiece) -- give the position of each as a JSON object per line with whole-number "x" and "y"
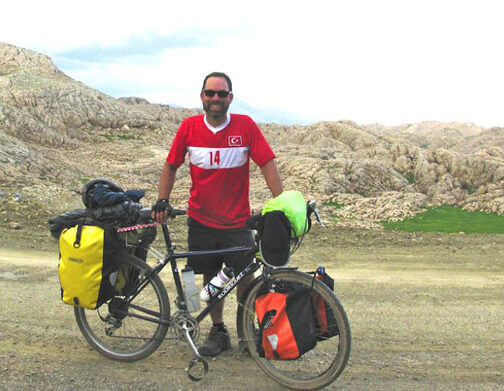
{"x": 87, "y": 267}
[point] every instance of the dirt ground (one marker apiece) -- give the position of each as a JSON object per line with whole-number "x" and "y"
{"x": 426, "y": 312}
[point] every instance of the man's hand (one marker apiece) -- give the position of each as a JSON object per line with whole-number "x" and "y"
{"x": 161, "y": 210}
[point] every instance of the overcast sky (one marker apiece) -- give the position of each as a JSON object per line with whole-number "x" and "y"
{"x": 386, "y": 61}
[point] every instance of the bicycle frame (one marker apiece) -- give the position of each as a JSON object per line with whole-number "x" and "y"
{"x": 171, "y": 257}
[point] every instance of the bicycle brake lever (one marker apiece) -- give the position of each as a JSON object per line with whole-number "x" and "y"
{"x": 317, "y": 216}
{"x": 312, "y": 208}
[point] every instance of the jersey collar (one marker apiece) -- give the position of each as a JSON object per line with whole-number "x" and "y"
{"x": 213, "y": 129}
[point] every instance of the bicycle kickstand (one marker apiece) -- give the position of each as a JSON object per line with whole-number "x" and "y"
{"x": 197, "y": 359}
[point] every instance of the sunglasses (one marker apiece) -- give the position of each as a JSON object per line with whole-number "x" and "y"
{"x": 221, "y": 94}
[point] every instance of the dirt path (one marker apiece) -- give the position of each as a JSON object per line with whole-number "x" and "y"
{"x": 423, "y": 317}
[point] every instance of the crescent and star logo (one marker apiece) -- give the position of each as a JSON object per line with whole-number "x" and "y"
{"x": 235, "y": 141}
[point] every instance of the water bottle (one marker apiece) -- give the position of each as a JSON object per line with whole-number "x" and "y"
{"x": 216, "y": 284}
{"x": 191, "y": 290}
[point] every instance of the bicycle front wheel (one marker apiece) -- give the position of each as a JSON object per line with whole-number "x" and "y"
{"x": 113, "y": 330}
{"x": 314, "y": 369}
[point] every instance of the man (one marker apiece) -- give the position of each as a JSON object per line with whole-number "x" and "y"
{"x": 219, "y": 146}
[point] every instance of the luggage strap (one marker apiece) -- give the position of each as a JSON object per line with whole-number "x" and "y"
{"x": 78, "y": 235}
{"x": 135, "y": 227}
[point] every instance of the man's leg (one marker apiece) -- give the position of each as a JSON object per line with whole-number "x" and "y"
{"x": 242, "y": 286}
{"x": 218, "y": 339}
{"x": 216, "y": 312}
{"x": 205, "y": 238}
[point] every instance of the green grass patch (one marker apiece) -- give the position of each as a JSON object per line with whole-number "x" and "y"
{"x": 411, "y": 179}
{"x": 450, "y": 219}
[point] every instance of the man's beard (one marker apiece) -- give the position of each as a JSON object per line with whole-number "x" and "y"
{"x": 216, "y": 113}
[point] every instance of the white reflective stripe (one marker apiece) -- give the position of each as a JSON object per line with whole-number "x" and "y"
{"x": 215, "y": 158}
{"x": 273, "y": 340}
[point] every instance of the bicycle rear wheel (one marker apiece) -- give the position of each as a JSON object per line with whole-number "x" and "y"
{"x": 112, "y": 330}
{"x": 316, "y": 368}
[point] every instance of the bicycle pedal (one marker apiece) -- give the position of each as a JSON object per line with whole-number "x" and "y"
{"x": 197, "y": 376}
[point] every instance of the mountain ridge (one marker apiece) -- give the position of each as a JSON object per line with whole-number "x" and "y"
{"x": 56, "y": 133}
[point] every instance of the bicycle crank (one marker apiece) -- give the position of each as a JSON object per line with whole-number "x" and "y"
{"x": 194, "y": 372}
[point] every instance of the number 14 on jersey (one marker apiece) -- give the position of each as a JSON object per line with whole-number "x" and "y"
{"x": 215, "y": 158}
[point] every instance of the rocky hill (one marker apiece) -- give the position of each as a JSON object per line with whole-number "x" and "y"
{"x": 56, "y": 133}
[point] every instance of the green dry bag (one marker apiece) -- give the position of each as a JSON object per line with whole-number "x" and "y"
{"x": 293, "y": 205}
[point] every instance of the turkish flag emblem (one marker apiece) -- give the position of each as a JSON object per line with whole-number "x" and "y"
{"x": 235, "y": 141}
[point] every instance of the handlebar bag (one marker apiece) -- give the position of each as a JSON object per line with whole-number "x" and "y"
{"x": 87, "y": 265}
{"x": 274, "y": 243}
{"x": 287, "y": 328}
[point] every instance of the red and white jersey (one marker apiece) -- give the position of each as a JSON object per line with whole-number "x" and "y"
{"x": 219, "y": 165}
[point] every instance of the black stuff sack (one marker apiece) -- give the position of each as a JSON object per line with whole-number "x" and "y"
{"x": 274, "y": 231}
{"x": 287, "y": 328}
{"x": 87, "y": 265}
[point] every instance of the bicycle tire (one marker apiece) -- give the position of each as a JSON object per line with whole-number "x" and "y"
{"x": 130, "y": 338}
{"x": 315, "y": 369}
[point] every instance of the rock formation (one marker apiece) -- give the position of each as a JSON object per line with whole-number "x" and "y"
{"x": 56, "y": 133}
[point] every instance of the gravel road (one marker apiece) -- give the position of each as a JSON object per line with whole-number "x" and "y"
{"x": 424, "y": 316}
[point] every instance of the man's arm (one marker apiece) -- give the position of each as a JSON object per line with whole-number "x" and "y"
{"x": 272, "y": 177}
{"x": 166, "y": 183}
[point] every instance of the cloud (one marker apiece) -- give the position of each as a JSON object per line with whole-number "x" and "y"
{"x": 141, "y": 48}
{"x": 58, "y": 25}
{"x": 391, "y": 61}
{"x": 268, "y": 115}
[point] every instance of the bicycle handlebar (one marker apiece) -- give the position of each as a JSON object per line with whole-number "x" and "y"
{"x": 146, "y": 212}
{"x": 311, "y": 206}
